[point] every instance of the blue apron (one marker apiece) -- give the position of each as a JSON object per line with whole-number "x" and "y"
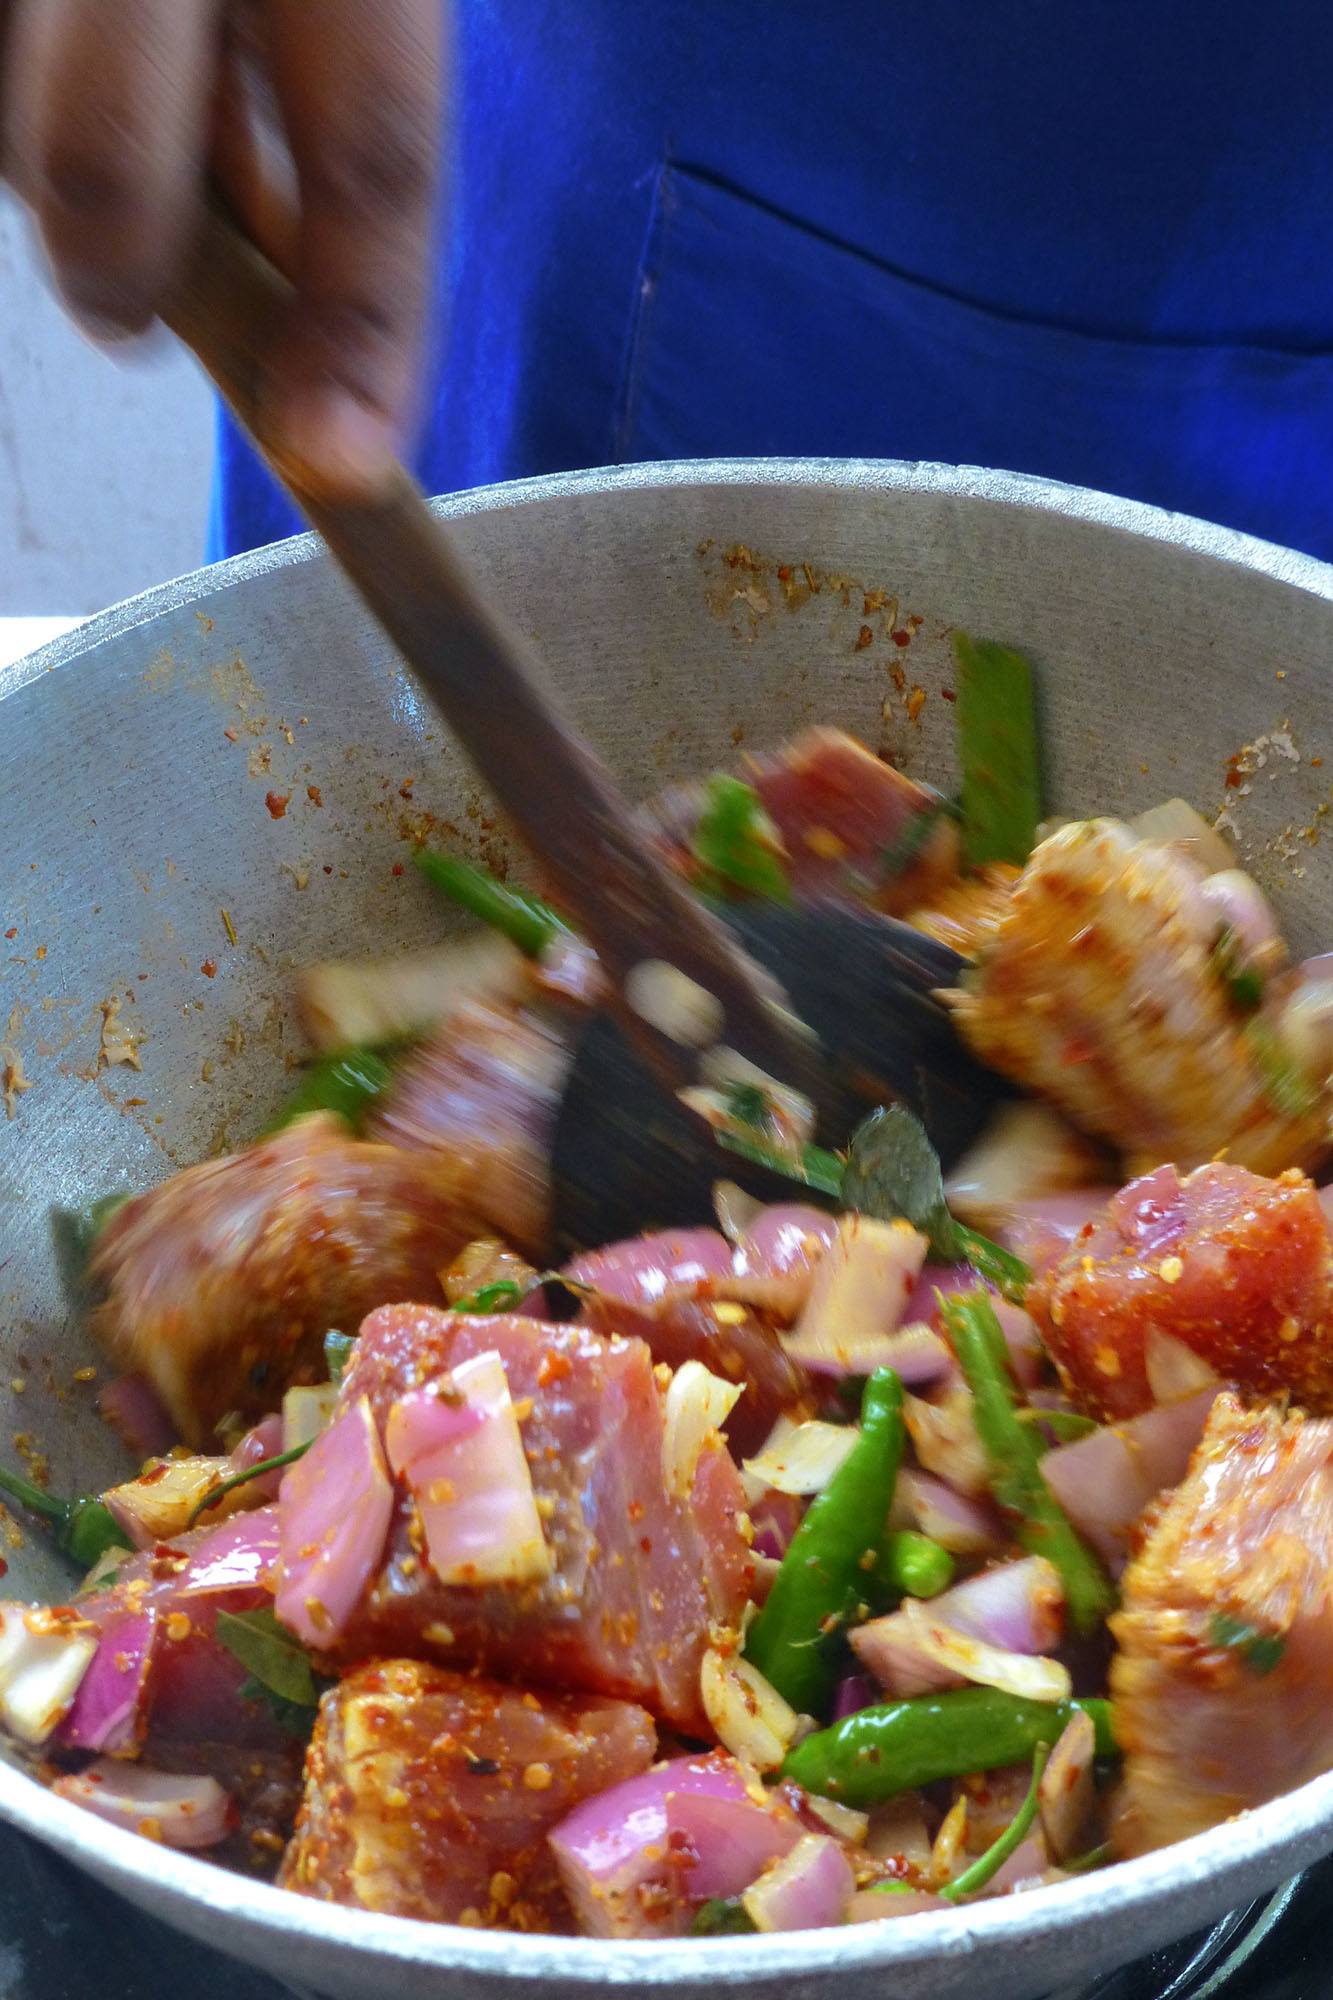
{"x": 1085, "y": 238}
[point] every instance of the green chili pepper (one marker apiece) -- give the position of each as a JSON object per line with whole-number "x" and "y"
{"x": 215, "y": 1493}
{"x": 1066, "y": 1426}
{"x": 821, "y": 1573}
{"x": 1289, "y": 1090}
{"x": 1096, "y": 1857}
{"x": 525, "y": 920}
{"x": 722, "y": 1916}
{"x": 813, "y": 1167}
{"x": 496, "y": 1298}
{"x": 879, "y": 1752}
{"x": 1244, "y": 985}
{"x": 84, "y": 1527}
{"x": 349, "y": 1083}
{"x": 912, "y": 1565}
{"x": 1013, "y": 1454}
{"x": 998, "y": 751}
{"x": 1261, "y": 1651}
{"x": 736, "y": 844}
{"x": 988, "y": 1864}
{"x": 338, "y": 1348}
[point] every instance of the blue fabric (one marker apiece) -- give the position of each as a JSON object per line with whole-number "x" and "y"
{"x": 1087, "y": 240}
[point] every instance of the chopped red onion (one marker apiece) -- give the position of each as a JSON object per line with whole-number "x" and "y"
{"x": 612, "y": 1849}
{"x": 650, "y": 1270}
{"x": 775, "y": 1518}
{"x": 333, "y": 1512}
{"x": 850, "y": 1321}
{"x": 1041, "y": 1230}
{"x": 135, "y": 1411}
{"x": 1015, "y": 1608}
{"x": 464, "y": 1463}
{"x": 178, "y": 1811}
{"x": 1105, "y": 1481}
{"x": 1026, "y": 1865}
{"x": 872, "y": 1906}
{"x": 853, "y": 1693}
{"x": 964, "y": 1526}
{"x": 109, "y": 1713}
{"x": 775, "y": 1262}
{"x": 238, "y": 1554}
{"x": 1067, "y": 1793}
{"x": 808, "y": 1890}
{"x": 731, "y": 1841}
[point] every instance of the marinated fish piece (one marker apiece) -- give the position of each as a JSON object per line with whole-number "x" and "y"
{"x": 848, "y": 825}
{"x": 1223, "y": 1679}
{"x": 1237, "y": 1268}
{"x": 484, "y": 1090}
{"x": 430, "y": 1794}
{"x": 220, "y": 1284}
{"x": 1100, "y": 989}
{"x": 636, "y": 1578}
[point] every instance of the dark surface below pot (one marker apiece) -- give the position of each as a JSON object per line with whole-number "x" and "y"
{"x": 62, "y": 1937}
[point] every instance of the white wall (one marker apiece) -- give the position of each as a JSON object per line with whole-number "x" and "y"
{"x": 104, "y": 464}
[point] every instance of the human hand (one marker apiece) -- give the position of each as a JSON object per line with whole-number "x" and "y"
{"x": 113, "y": 111}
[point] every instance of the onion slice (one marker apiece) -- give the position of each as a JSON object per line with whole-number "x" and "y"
{"x": 807, "y": 1890}
{"x": 45, "y": 1651}
{"x": 109, "y": 1713}
{"x": 748, "y": 1715}
{"x": 612, "y": 1852}
{"x": 333, "y": 1511}
{"x": 1174, "y": 1370}
{"x": 799, "y": 1458}
{"x": 962, "y": 1525}
{"x": 458, "y": 1446}
{"x": 943, "y": 1645}
{"x": 178, "y": 1811}
{"x": 697, "y": 1404}
{"x": 859, "y": 1293}
{"x": 1016, "y": 1608}
{"x": 1104, "y": 1482}
{"x": 1066, "y": 1794}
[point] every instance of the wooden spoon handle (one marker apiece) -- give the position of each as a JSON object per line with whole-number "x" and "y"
{"x": 484, "y": 680}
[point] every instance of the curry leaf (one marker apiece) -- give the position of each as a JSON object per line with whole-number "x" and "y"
{"x": 277, "y": 1660}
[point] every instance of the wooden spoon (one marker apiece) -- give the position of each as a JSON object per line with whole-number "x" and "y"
{"x": 678, "y": 984}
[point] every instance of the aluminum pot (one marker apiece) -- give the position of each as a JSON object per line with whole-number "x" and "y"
{"x": 213, "y": 783}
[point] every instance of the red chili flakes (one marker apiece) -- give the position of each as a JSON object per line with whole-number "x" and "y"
{"x": 209, "y": 969}
{"x": 901, "y": 638}
{"x": 277, "y": 803}
{"x": 314, "y": 795}
{"x": 1233, "y": 779}
{"x": 232, "y": 735}
{"x": 13, "y": 931}
{"x": 328, "y": 868}
{"x": 553, "y": 1367}
{"x": 784, "y": 572}
{"x": 1315, "y": 762}
{"x": 864, "y": 638}
{"x": 405, "y": 789}
{"x": 947, "y": 694}
{"x": 397, "y": 867}
{"x": 916, "y": 701}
